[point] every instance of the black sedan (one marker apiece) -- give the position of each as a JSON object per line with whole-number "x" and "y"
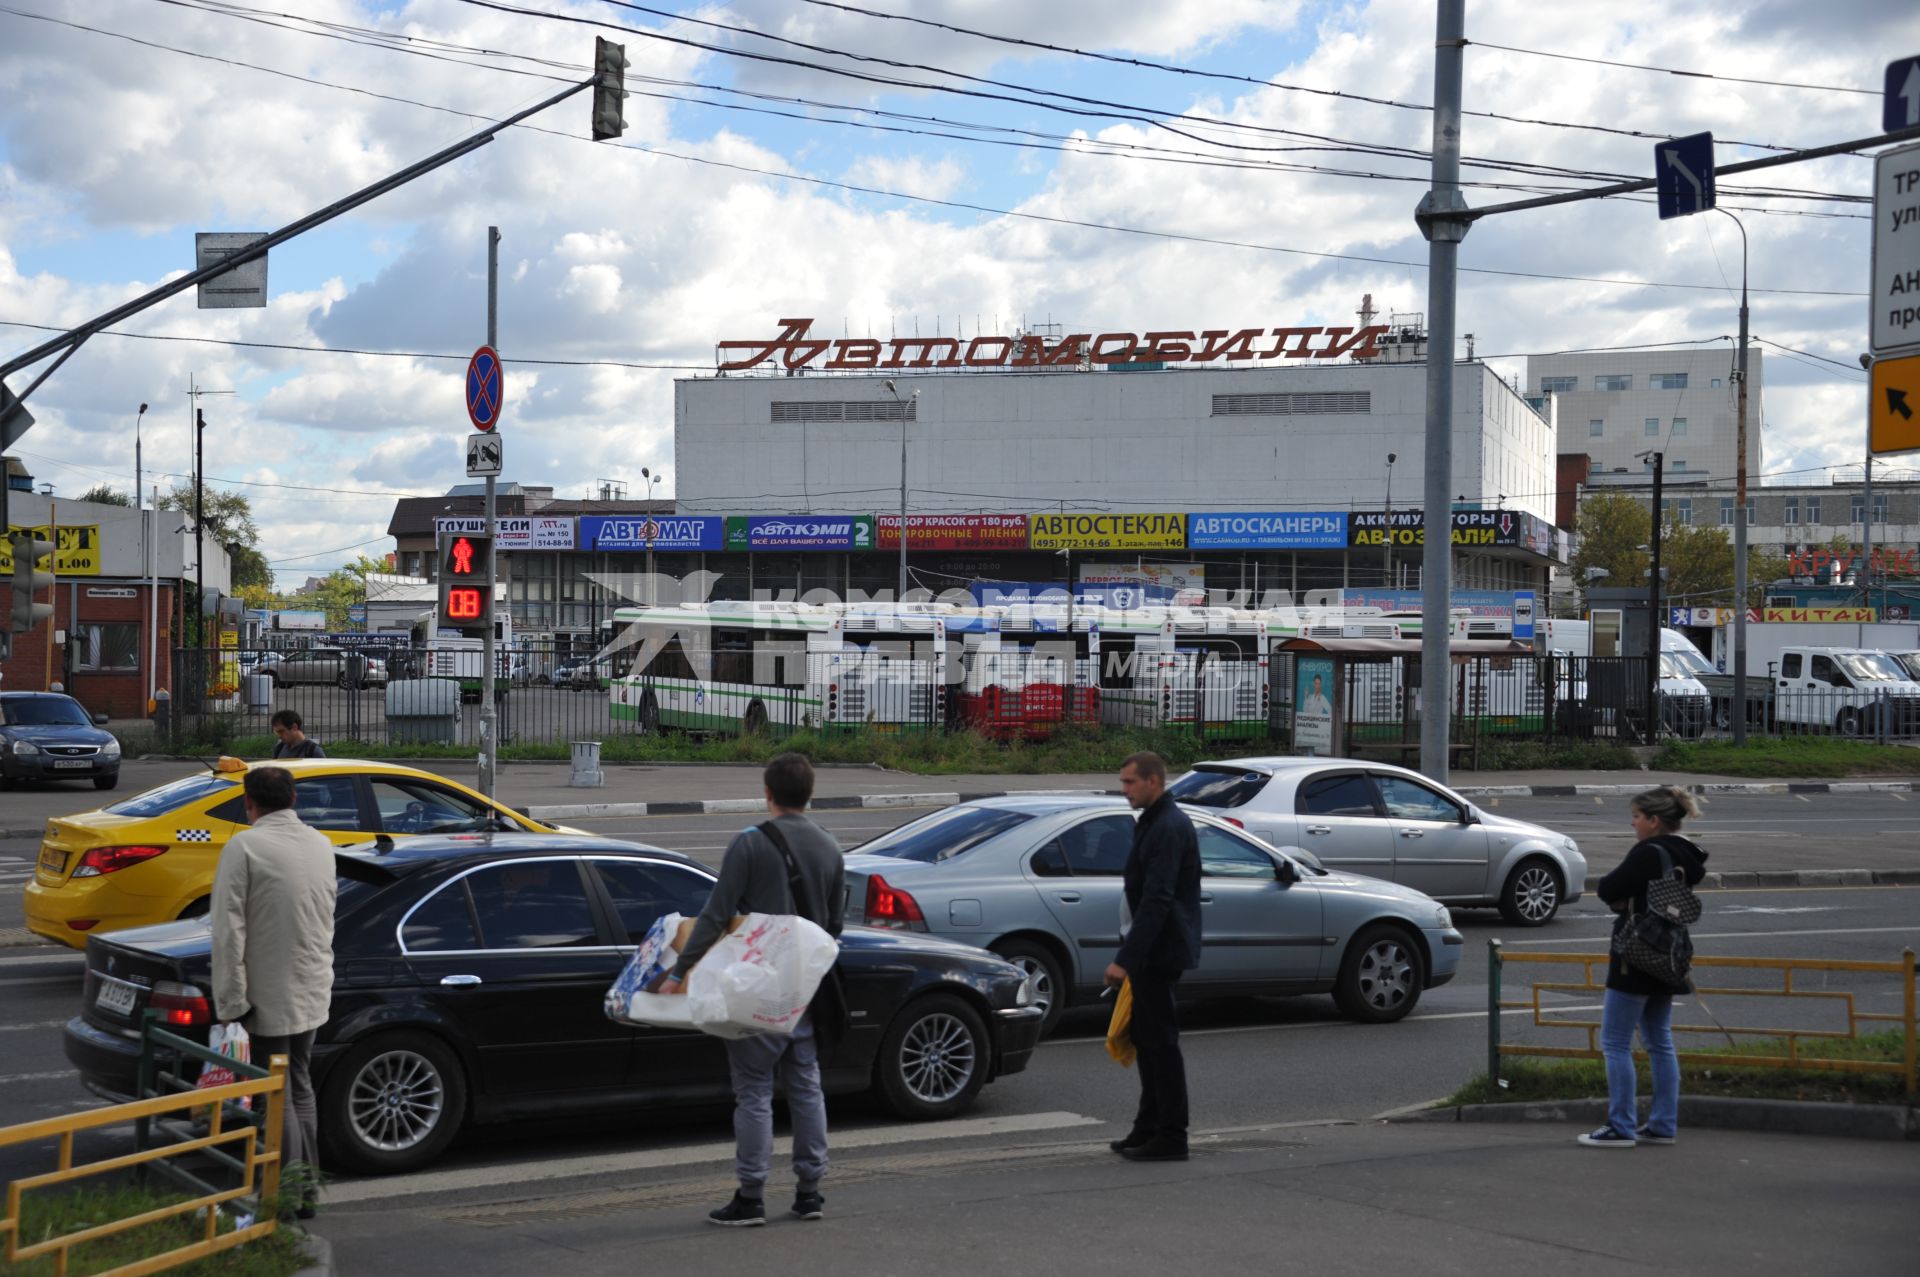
{"x": 49, "y": 736}
{"x": 469, "y": 973}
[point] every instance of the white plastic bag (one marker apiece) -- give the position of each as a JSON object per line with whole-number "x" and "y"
{"x": 654, "y": 958}
{"x": 231, "y": 1041}
{"x": 760, "y": 978}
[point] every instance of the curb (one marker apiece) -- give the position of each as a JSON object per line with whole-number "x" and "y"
{"x": 1713, "y": 788}
{"x": 754, "y": 806}
{"x": 319, "y": 1256}
{"x": 1779, "y": 1117}
{"x": 37, "y": 832}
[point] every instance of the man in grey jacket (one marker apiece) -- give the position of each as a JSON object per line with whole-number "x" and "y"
{"x": 272, "y": 915}
{"x": 755, "y": 877}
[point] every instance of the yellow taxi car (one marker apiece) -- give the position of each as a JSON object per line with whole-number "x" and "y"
{"x": 150, "y": 858}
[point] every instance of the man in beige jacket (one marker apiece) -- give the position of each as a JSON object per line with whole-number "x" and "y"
{"x": 272, "y": 915}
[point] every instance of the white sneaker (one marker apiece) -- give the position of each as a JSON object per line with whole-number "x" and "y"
{"x": 1607, "y": 1137}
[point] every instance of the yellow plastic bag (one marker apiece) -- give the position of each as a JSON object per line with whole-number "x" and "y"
{"x": 1120, "y": 1028}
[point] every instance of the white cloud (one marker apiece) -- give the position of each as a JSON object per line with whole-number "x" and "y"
{"x": 914, "y": 175}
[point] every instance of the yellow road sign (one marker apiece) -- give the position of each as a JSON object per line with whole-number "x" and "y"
{"x": 1894, "y": 411}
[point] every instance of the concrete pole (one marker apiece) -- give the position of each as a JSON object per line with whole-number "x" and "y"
{"x": 1444, "y": 230}
{"x": 489, "y": 746}
{"x": 1740, "y": 514}
{"x": 1654, "y": 618}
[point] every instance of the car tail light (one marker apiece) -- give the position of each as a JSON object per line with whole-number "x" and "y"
{"x": 182, "y": 1005}
{"x": 106, "y": 860}
{"x": 892, "y": 908}
{"x": 1237, "y": 824}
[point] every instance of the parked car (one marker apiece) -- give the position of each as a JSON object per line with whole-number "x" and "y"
{"x": 337, "y": 666}
{"x": 469, "y": 979}
{"x": 584, "y": 675}
{"x": 50, "y": 736}
{"x": 1392, "y": 823}
{"x": 150, "y": 858}
{"x": 1036, "y": 879}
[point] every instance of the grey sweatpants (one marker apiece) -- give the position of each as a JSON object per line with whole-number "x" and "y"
{"x": 300, "y": 1138}
{"x": 755, "y": 1061}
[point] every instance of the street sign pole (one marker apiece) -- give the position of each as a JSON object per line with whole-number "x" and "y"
{"x": 489, "y": 723}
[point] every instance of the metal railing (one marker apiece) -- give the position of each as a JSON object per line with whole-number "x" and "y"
{"x": 258, "y": 1163}
{"x": 1548, "y": 1016}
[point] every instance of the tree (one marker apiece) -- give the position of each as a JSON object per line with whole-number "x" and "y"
{"x": 1612, "y": 527}
{"x": 105, "y": 494}
{"x": 250, "y": 571}
{"x": 342, "y": 589}
{"x": 228, "y": 515}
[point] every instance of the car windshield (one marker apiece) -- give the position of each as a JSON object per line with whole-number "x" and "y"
{"x": 158, "y": 802}
{"x": 1689, "y": 661}
{"x": 1871, "y": 667}
{"x": 1218, "y": 787}
{"x": 1673, "y": 665}
{"x": 944, "y": 834}
{"x": 43, "y": 711}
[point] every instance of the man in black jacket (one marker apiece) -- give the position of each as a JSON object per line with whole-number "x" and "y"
{"x": 1163, "y": 896}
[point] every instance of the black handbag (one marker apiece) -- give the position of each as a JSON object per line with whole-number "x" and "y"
{"x": 829, "y": 1010}
{"x": 1655, "y": 941}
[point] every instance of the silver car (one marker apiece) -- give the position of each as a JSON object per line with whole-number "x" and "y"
{"x": 1392, "y": 823}
{"x": 1037, "y": 879}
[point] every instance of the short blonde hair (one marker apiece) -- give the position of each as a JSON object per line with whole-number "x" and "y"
{"x": 1668, "y": 804}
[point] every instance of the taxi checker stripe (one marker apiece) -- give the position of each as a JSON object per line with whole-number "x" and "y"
{"x": 193, "y": 835}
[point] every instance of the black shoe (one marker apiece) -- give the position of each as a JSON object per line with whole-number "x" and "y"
{"x": 1134, "y": 1139}
{"x": 307, "y": 1212}
{"x": 1156, "y": 1150}
{"x": 741, "y": 1212}
{"x": 809, "y": 1206}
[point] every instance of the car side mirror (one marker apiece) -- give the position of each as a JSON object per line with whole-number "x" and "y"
{"x": 1286, "y": 873}
{"x": 101, "y": 720}
{"x": 1470, "y": 815}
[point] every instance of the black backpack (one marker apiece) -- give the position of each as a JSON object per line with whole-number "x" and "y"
{"x": 1655, "y": 941}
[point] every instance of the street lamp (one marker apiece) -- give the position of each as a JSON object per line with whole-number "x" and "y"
{"x": 138, "y": 504}
{"x": 906, "y": 412}
{"x": 1865, "y": 574}
{"x": 1391, "y": 458}
{"x": 1740, "y": 510}
{"x": 651, "y": 479}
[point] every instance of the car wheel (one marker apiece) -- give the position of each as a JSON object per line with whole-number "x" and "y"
{"x": 197, "y": 908}
{"x": 1532, "y": 895}
{"x": 933, "y": 1060}
{"x": 1381, "y": 976}
{"x": 1042, "y": 969}
{"x": 393, "y": 1104}
{"x": 106, "y": 782}
{"x": 756, "y": 720}
{"x": 1847, "y": 722}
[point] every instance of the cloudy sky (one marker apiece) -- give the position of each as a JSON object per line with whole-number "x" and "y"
{"x": 907, "y": 175}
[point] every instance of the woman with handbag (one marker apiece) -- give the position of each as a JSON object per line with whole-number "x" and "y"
{"x": 1670, "y": 864}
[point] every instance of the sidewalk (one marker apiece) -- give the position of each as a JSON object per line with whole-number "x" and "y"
{"x": 1371, "y": 1198}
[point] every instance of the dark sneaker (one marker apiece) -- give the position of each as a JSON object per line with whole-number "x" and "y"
{"x": 1134, "y": 1139}
{"x": 1646, "y": 1136}
{"x": 809, "y": 1206}
{"x": 1607, "y": 1137}
{"x": 1156, "y": 1150}
{"x": 741, "y": 1212}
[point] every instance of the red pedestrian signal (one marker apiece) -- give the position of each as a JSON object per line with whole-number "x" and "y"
{"x": 466, "y": 597}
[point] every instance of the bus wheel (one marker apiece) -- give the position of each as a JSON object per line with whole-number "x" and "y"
{"x": 756, "y": 719}
{"x": 649, "y": 714}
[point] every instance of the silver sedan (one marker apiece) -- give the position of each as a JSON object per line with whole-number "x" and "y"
{"x": 1037, "y": 879}
{"x": 1389, "y": 822}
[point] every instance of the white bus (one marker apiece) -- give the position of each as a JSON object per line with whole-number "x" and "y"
{"x": 450, "y": 654}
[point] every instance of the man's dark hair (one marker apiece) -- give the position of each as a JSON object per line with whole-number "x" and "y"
{"x": 789, "y": 781}
{"x": 271, "y": 788}
{"x": 1147, "y": 765}
{"x": 286, "y": 718}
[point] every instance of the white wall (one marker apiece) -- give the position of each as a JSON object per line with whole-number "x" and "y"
{"x": 1709, "y": 445}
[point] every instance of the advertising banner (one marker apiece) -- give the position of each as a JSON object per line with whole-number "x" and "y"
{"x": 630, "y": 533}
{"x": 954, "y": 531}
{"x": 800, "y": 532}
{"x": 1513, "y": 528}
{"x": 1107, "y": 531}
{"x": 1313, "y": 705}
{"x": 1818, "y": 615}
{"x": 515, "y": 532}
{"x": 1128, "y": 586}
{"x": 1268, "y": 530}
{"x": 76, "y": 550}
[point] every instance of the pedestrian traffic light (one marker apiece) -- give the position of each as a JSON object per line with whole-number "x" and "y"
{"x": 609, "y": 89}
{"x": 32, "y": 573}
{"x": 466, "y": 595}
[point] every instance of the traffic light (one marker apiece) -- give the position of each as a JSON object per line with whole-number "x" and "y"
{"x": 29, "y": 554}
{"x": 466, "y": 595}
{"x": 609, "y": 89}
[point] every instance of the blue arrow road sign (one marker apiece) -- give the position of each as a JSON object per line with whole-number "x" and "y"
{"x": 1683, "y": 175}
{"x": 484, "y": 389}
{"x": 1901, "y": 108}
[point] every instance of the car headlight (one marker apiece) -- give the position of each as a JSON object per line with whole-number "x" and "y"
{"x": 1445, "y": 918}
{"x": 110, "y": 750}
{"x": 24, "y": 748}
{"x": 1568, "y": 844}
{"x": 1024, "y": 998}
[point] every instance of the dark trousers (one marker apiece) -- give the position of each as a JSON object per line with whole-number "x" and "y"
{"x": 300, "y": 1138}
{"x": 1163, "y": 1071}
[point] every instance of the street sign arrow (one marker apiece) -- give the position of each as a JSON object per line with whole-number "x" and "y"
{"x": 1683, "y": 175}
{"x": 1897, "y": 402}
{"x": 1893, "y": 425}
{"x": 1900, "y": 108}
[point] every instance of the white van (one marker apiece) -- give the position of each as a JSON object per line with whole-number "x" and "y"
{"x": 1684, "y": 703}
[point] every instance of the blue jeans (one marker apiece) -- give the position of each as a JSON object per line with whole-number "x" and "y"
{"x": 756, "y": 1062}
{"x": 1653, "y": 1014}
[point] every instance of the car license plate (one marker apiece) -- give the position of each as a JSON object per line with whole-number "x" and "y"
{"x": 53, "y": 859}
{"x": 73, "y": 762}
{"x": 116, "y": 995}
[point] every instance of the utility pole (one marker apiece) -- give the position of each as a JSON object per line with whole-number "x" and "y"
{"x": 1659, "y": 460}
{"x": 489, "y": 747}
{"x": 1387, "y": 583}
{"x": 1863, "y": 576}
{"x": 1440, "y": 221}
{"x": 199, "y": 524}
{"x": 1740, "y": 511}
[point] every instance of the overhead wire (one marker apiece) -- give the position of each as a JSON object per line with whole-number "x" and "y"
{"x": 1692, "y": 75}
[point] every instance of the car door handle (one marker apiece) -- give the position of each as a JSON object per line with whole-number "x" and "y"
{"x": 1413, "y": 833}
{"x": 1206, "y": 900}
{"x": 1070, "y": 897}
{"x": 1319, "y": 829}
{"x": 459, "y": 981}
